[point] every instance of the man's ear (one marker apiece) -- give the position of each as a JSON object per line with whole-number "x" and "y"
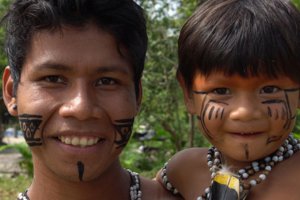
{"x": 8, "y": 93}
{"x": 187, "y": 93}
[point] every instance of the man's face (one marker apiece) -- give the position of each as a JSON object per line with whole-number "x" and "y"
{"x": 245, "y": 118}
{"x": 76, "y": 102}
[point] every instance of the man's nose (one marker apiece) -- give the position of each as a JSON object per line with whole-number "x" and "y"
{"x": 246, "y": 109}
{"x": 80, "y": 103}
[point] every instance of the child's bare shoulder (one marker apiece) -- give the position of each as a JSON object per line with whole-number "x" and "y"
{"x": 188, "y": 159}
{"x": 282, "y": 182}
{"x": 189, "y": 167}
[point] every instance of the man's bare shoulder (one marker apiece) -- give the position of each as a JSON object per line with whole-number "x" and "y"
{"x": 152, "y": 189}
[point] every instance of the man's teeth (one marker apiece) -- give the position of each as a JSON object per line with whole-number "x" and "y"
{"x": 79, "y": 141}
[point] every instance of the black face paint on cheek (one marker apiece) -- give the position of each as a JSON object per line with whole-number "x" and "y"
{"x": 208, "y": 109}
{"x": 80, "y": 167}
{"x": 273, "y": 139}
{"x": 211, "y": 112}
{"x": 286, "y": 112}
{"x": 246, "y": 151}
{"x": 123, "y": 131}
{"x": 269, "y": 112}
{"x": 29, "y": 125}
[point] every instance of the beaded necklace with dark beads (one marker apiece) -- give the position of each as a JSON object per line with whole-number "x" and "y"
{"x": 134, "y": 192}
{"x": 264, "y": 166}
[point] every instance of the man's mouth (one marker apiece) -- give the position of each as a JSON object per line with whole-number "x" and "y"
{"x": 80, "y": 141}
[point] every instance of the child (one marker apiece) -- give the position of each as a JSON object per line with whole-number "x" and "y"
{"x": 239, "y": 68}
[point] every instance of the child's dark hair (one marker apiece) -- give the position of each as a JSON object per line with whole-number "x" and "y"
{"x": 245, "y": 37}
{"x": 124, "y": 19}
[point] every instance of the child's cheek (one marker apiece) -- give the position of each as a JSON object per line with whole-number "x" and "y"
{"x": 211, "y": 118}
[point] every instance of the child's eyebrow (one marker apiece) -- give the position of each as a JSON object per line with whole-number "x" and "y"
{"x": 292, "y": 89}
{"x": 199, "y": 92}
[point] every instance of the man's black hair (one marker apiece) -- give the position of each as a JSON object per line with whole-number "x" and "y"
{"x": 124, "y": 19}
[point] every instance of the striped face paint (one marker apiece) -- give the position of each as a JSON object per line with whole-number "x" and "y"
{"x": 211, "y": 110}
{"x": 245, "y": 118}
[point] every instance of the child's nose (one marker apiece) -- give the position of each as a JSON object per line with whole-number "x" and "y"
{"x": 246, "y": 109}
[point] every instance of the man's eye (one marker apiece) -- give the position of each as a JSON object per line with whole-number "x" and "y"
{"x": 221, "y": 91}
{"x": 269, "y": 89}
{"x": 54, "y": 79}
{"x": 106, "y": 81}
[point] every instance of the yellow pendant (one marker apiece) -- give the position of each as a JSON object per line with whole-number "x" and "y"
{"x": 225, "y": 186}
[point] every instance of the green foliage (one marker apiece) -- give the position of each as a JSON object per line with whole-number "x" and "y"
{"x": 297, "y": 3}
{"x": 26, "y": 162}
{"x": 10, "y": 187}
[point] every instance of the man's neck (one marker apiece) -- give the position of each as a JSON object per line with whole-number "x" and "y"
{"x": 114, "y": 183}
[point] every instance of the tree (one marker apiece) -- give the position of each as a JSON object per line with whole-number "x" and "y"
{"x": 163, "y": 106}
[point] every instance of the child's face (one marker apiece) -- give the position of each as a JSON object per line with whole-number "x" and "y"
{"x": 245, "y": 118}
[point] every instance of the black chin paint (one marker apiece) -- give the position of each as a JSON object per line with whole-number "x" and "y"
{"x": 80, "y": 167}
{"x": 246, "y": 151}
{"x": 29, "y": 125}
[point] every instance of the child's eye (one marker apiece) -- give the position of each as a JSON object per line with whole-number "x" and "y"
{"x": 269, "y": 89}
{"x": 106, "y": 81}
{"x": 221, "y": 91}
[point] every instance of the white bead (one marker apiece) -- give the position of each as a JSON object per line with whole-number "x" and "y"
{"x": 280, "y": 158}
{"x": 253, "y": 182}
{"x": 289, "y": 147}
{"x": 290, "y": 152}
{"x": 256, "y": 168}
{"x": 210, "y": 163}
{"x": 254, "y": 164}
{"x": 169, "y": 186}
{"x": 268, "y": 168}
{"x": 275, "y": 158}
{"x": 262, "y": 176}
{"x": 213, "y": 175}
{"x": 165, "y": 179}
{"x": 245, "y": 175}
{"x": 217, "y": 161}
{"x": 217, "y": 153}
{"x": 281, "y": 148}
{"x": 241, "y": 171}
{"x": 207, "y": 190}
{"x": 268, "y": 159}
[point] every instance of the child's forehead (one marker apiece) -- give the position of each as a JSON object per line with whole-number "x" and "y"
{"x": 222, "y": 75}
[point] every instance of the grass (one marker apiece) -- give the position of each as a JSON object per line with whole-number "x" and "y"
{"x": 11, "y": 187}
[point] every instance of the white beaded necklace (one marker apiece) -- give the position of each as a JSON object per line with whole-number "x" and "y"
{"x": 134, "y": 192}
{"x": 265, "y": 165}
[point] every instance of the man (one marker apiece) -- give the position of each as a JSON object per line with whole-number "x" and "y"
{"x": 73, "y": 81}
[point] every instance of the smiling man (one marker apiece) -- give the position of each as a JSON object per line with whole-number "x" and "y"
{"x": 73, "y": 81}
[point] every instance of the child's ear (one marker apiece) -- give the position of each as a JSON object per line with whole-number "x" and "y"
{"x": 139, "y": 97}
{"x": 188, "y": 96}
{"x": 299, "y": 101}
{"x": 8, "y": 93}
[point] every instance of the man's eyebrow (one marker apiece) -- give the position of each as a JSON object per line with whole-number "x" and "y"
{"x": 53, "y": 66}
{"x": 113, "y": 68}
{"x": 101, "y": 69}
